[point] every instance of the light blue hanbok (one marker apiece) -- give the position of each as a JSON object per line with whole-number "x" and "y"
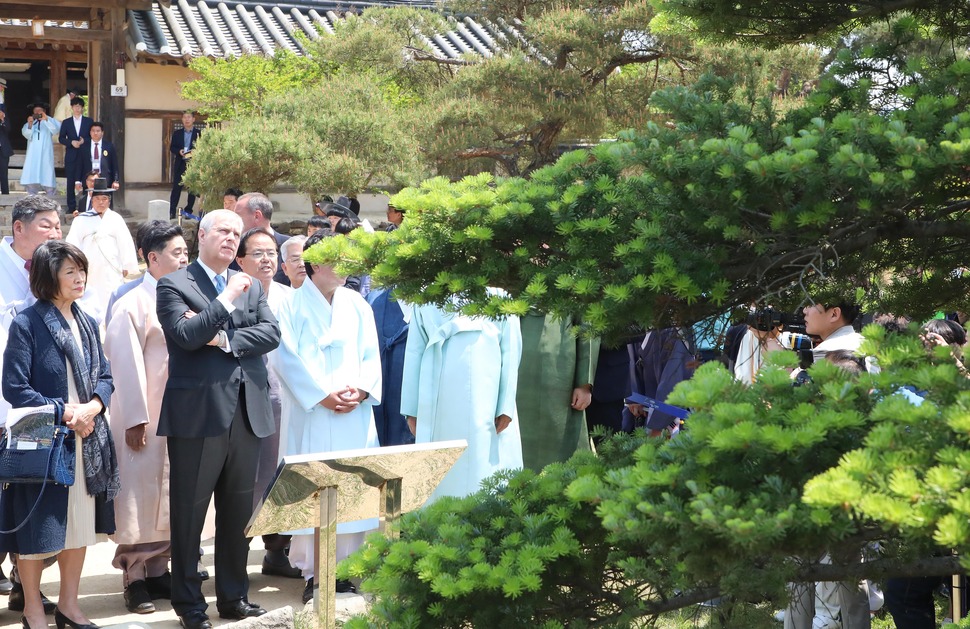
{"x": 39, "y": 163}
{"x": 460, "y": 373}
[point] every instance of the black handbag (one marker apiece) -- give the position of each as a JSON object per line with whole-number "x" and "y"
{"x": 42, "y": 465}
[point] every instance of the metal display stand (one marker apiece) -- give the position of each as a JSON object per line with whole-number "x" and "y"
{"x": 321, "y": 490}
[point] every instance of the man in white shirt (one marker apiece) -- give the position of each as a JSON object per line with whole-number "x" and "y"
{"x": 843, "y": 605}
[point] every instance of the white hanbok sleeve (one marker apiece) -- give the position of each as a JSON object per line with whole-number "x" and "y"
{"x": 126, "y": 248}
{"x": 511, "y": 347}
{"x": 413, "y": 353}
{"x": 295, "y": 371}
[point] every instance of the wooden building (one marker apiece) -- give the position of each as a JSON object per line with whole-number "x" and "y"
{"x": 129, "y": 57}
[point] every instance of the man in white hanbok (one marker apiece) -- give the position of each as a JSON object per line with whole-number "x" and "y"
{"x": 104, "y": 238}
{"x": 135, "y": 345}
{"x": 460, "y": 377}
{"x": 329, "y": 365}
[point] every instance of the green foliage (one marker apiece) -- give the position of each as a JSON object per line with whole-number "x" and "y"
{"x": 517, "y": 553}
{"x": 392, "y": 111}
{"x": 720, "y": 206}
{"x": 776, "y": 22}
{"x": 764, "y": 478}
{"x": 237, "y": 88}
{"x": 251, "y": 153}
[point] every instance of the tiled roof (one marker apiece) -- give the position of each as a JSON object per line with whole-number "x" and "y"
{"x": 195, "y": 28}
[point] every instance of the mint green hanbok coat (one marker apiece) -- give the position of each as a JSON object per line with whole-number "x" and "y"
{"x": 460, "y": 373}
{"x": 39, "y": 163}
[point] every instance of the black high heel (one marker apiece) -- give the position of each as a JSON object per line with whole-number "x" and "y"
{"x": 60, "y": 620}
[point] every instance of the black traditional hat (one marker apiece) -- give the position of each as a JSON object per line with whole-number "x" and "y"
{"x": 101, "y": 187}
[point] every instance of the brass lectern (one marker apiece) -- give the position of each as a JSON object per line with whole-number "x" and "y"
{"x": 321, "y": 490}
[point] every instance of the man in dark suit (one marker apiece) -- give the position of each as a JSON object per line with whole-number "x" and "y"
{"x": 100, "y": 157}
{"x": 75, "y": 135}
{"x": 215, "y": 410}
{"x": 183, "y": 142}
{"x": 256, "y": 210}
{"x": 6, "y": 150}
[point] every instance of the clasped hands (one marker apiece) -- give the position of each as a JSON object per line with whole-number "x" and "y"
{"x": 80, "y": 417}
{"x": 344, "y": 400}
{"x": 501, "y": 423}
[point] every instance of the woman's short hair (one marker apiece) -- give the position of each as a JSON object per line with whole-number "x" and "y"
{"x": 46, "y": 264}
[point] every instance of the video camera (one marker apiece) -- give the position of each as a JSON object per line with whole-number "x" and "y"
{"x": 793, "y": 334}
{"x": 767, "y": 319}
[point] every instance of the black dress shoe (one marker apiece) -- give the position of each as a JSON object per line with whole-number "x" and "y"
{"x": 308, "y": 591}
{"x": 277, "y": 564}
{"x": 160, "y": 586}
{"x": 195, "y": 619}
{"x": 61, "y": 620}
{"x": 239, "y": 610}
{"x": 16, "y": 601}
{"x": 137, "y": 598}
{"x": 343, "y": 586}
{"x": 6, "y": 586}
{"x": 203, "y": 573}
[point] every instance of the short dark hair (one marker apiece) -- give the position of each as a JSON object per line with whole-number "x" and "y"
{"x": 155, "y": 236}
{"x": 951, "y": 331}
{"x": 258, "y": 201}
{"x": 26, "y": 209}
{"x": 255, "y": 231}
{"x": 320, "y": 222}
{"x": 191, "y": 112}
{"x": 233, "y": 192}
{"x": 46, "y": 263}
{"x": 345, "y": 225}
{"x": 317, "y": 236}
{"x": 93, "y": 173}
{"x": 98, "y": 125}
{"x": 77, "y": 100}
{"x": 850, "y": 311}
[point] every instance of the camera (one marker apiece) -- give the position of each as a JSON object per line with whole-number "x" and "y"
{"x": 38, "y": 116}
{"x": 796, "y": 341}
{"x": 767, "y": 319}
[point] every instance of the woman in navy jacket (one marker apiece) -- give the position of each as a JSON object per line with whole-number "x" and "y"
{"x": 54, "y": 356}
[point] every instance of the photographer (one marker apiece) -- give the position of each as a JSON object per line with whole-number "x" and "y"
{"x": 38, "y": 172}
{"x": 833, "y": 324}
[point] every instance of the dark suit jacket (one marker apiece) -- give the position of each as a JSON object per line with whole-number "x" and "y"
{"x": 6, "y": 148}
{"x": 204, "y": 382}
{"x": 177, "y": 144}
{"x": 68, "y": 135}
{"x": 109, "y": 159}
{"x": 280, "y": 275}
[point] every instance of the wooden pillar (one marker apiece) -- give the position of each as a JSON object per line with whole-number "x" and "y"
{"x": 111, "y": 109}
{"x": 58, "y": 62}
{"x": 58, "y": 76}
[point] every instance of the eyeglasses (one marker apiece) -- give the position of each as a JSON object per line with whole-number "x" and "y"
{"x": 259, "y": 255}
{"x": 294, "y": 259}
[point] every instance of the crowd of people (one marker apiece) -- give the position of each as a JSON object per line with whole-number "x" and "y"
{"x": 186, "y": 383}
